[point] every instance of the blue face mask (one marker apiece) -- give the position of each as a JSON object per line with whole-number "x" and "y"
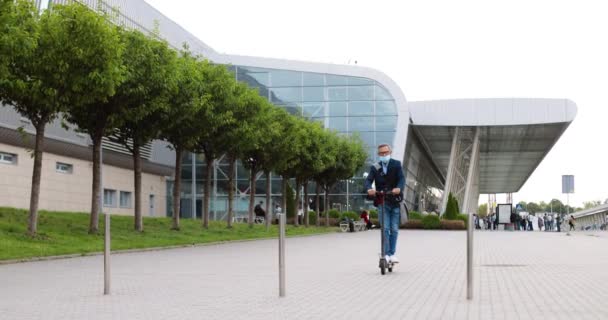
{"x": 384, "y": 159}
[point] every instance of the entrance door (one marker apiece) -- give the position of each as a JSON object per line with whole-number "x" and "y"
{"x": 151, "y": 205}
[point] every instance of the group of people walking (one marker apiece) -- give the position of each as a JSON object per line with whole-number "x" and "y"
{"x": 544, "y": 222}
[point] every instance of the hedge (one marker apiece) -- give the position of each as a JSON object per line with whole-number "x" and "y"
{"x": 463, "y": 217}
{"x": 434, "y": 224}
{"x": 415, "y": 215}
{"x": 452, "y": 225}
{"x": 413, "y": 224}
{"x": 373, "y": 214}
{"x": 431, "y": 221}
{"x": 349, "y": 214}
{"x": 334, "y": 214}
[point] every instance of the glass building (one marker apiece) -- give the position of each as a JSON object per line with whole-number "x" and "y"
{"x": 346, "y": 104}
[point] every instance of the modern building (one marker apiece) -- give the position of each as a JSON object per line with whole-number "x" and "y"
{"x": 465, "y": 147}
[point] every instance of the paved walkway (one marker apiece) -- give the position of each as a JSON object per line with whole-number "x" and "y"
{"x": 518, "y": 275}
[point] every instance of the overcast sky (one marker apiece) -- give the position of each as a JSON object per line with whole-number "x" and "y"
{"x": 444, "y": 49}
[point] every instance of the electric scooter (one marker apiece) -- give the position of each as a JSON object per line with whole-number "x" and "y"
{"x": 384, "y": 265}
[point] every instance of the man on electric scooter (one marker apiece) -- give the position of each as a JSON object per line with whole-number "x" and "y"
{"x": 388, "y": 177}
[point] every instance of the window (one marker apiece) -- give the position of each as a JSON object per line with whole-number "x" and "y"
{"x": 285, "y": 78}
{"x": 109, "y": 198}
{"x": 287, "y": 94}
{"x": 8, "y": 158}
{"x": 361, "y": 93}
{"x": 64, "y": 167}
{"x": 125, "y": 199}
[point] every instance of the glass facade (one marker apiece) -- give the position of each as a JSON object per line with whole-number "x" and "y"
{"x": 424, "y": 188}
{"x": 349, "y": 105}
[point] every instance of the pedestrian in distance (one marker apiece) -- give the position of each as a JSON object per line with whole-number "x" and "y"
{"x": 571, "y": 222}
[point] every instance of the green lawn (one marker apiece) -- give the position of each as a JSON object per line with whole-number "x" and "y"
{"x": 66, "y": 233}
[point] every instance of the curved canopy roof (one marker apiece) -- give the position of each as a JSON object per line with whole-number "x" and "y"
{"x": 515, "y": 136}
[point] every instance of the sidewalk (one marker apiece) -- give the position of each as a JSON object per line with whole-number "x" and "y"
{"x": 518, "y": 275}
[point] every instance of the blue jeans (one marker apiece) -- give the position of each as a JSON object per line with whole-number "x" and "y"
{"x": 392, "y": 216}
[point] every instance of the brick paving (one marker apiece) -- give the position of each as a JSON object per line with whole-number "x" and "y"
{"x": 518, "y": 275}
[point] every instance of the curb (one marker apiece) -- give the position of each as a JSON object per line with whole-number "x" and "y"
{"x": 99, "y": 253}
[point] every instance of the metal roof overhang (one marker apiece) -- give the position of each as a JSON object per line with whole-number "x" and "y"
{"x": 515, "y": 134}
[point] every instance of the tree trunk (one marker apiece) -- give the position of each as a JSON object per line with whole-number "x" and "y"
{"x": 177, "y": 185}
{"x": 317, "y": 202}
{"x": 230, "y": 191}
{"x": 284, "y": 191}
{"x": 326, "y": 208}
{"x": 268, "y": 206}
{"x": 252, "y": 175}
{"x": 296, "y": 221}
{"x": 305, "y": 205}
{"x": 207, "y": 196}
{"x": 95, "y": 202}
{"x": 32, "y": 227}
{"x": 138, "y": 223}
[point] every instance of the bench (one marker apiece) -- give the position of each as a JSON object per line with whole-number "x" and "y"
{"x": 244, "y": 219}
{"x": 358, "y": 225}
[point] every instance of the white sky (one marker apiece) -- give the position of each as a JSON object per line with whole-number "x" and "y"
{"x": 444, "y": 49}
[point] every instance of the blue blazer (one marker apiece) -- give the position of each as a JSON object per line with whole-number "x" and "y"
{"x": 393, "y": 178}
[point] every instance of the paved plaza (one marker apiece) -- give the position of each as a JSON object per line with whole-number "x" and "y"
{"x": 518, "y": 275}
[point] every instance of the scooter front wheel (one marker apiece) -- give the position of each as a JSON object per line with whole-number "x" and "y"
{"x": 382, "y": 266}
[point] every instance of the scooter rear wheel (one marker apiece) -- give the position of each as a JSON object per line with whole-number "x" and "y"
{"x": 390, "y": 269}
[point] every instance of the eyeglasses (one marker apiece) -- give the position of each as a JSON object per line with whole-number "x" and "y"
{"x": 383, "y": 153}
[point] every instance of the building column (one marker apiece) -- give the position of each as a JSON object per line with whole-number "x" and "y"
{"x": 450, "y": 176}
{"x": 472, "y": 176}
{"x": 457, "y": 179}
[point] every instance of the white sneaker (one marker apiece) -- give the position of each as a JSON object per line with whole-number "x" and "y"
{"x": 387, "y": 258}
{"x": 394, "y": 259}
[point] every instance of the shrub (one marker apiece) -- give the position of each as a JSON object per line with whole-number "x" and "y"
{"x": 415, "y": 215}
{"x": 334, "y": 214}
{"x": 413, "y": 224}
{"x": 463, "y": 217}
{"x": 373, "y": 214}
{"x": 349, "y": 214}
{"x": 431, "y": 222}
{"x": 313, "y": 217}
{"x": 451, "y": 210}
{"x": 452, "y": 225}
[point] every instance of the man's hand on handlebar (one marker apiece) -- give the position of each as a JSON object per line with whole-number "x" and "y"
{"x": 396, "y": 191}
{"x": 371, "y": 192}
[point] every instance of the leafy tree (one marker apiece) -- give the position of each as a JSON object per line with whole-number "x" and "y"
{"x": 482, "y": 210}
{"x": 219, "y": 85}
{"x": 350, "y": 157}
{"x": 532, "y": 207}
{"x": 243, "y": 106}
{"x": 591, "y": 204}
{"x": 316, "y": 156}
{"x": 144, "y": 96}
{"x": 257, "y": 155}
{"x": 99, "y": 114}
{"x": 72, "y": 58}
{"x": 288, "y": 150}
{"x": 181, "y": 120}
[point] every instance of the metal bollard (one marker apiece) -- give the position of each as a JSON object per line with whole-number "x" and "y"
{"x": 470, "y": 227}
{"x": 281, "y": 255}
{"x": 106, "y": 256}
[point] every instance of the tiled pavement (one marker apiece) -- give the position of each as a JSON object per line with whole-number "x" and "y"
{"x": 518, "y": 275}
